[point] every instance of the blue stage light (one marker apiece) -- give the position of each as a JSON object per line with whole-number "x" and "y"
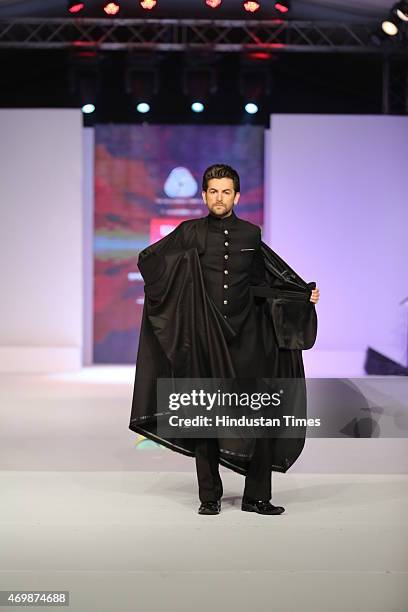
{"x": 251, "y": 108}
{"x": 143, "y": 107}
{"x": 88, "y": 108}
{"x": 197, "y": 107}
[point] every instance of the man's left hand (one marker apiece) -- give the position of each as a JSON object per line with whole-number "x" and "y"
{"x": 315, "y": 296}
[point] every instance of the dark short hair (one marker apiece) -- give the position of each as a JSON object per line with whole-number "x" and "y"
{"x": 217, "y": 171}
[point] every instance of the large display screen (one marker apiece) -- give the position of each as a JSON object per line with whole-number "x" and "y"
{"x": 148, "y": 180}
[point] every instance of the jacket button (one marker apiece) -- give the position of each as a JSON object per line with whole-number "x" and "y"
{"x": 226, "y": 243}
{"x": 226, "y": 232}
{"x": 225, "y": 286}
{"x": 225, "y": 301}
{"x": 225, "y": 271}
{"x": 225, "y": 256}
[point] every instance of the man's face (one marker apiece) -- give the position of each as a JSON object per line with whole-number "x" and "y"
{"x": 220, "y": 196}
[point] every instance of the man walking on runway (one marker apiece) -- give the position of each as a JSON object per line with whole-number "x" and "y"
{"x": 242, "y": 278}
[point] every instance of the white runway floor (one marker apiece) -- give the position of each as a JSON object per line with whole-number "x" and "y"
{"x": 83, "y": 510}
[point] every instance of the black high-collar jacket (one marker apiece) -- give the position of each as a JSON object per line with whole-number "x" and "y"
{"x": 184, "y": 335}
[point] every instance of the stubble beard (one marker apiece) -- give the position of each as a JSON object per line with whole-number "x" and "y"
{"x": 221, "y": 211}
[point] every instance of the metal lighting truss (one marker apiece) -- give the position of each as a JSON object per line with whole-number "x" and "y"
{"x": 194, "y": 34}
{"x": 395, "y": 86}
{"x": 275, "y": 35}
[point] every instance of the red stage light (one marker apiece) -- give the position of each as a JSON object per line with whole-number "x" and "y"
{"x": 281, "y": 7}
{"x": 213, "y": 3}
{"x": 259, "y": 55}
{"x": 75, "y": 7}
{"x": 111, "y": 8}
{"x": 148, "y": 4}
{"x": 251, "y": 6}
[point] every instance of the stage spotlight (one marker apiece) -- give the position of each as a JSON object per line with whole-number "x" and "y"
{"x": 143, "y": 107}
{"x": 75, "y": 7}
{"x": 251, "y": 108}
{"x": 111, "y": 8}
{"x": 255, "y": 79}
{"x": 197, "y": 107}
{"x": 84, "y": 78}
{"x": 87, "y": 109}
{"x": 282, "y": 6}
{"x": 142, "y": 79}
{"x": 389, "y": 26}
{"x": 259, "y": 55}
{"x": 199, "y": 77}
{"x": 401, "y": 10}
{"x": 251, "y": 6}
{"x": 148, "y": 5}
{"x": 213, "y": 3}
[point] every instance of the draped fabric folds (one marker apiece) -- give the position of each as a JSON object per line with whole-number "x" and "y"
{"x": 184, "y": 335}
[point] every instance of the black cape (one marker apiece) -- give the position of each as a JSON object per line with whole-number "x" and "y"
{"x": 184, "y": 335}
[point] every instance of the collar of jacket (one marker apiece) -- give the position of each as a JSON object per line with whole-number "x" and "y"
{"x": 224, "y": 221}
{"x": 202, "y": 229}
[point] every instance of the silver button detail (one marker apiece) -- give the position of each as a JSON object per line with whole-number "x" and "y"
{"x": 225, "y": 256}
{"x": 225, "y": 316}
{"x": 225, "y": 271}
{"x": 225, "y": 286}
{"x": 225, "y": 301}
{"x": 226, "y": 232}
{"x": 226, "y": 243}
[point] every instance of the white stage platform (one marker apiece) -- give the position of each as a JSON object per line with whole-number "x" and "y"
{"x": 133, "y": 541}
{"x": 85, "y": 508}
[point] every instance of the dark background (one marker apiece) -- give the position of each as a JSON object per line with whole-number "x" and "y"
{"x": 300, "y": 82}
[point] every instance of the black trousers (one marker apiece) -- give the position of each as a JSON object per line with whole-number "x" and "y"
{"x": 258, "y": 482}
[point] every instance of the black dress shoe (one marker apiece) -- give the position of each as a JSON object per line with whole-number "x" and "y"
{"x": 260, "y": 506}
{"x": 211, "y": 507}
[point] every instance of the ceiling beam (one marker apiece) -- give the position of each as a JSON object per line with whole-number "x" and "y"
{"x": 276, "y": 36}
